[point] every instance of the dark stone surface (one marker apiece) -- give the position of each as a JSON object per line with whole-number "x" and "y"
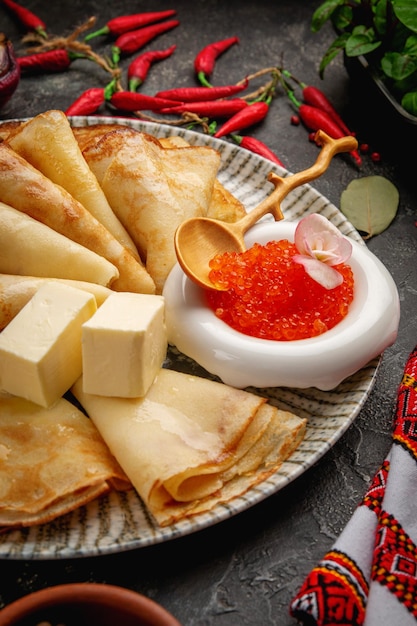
{"x": 245, "y": 570}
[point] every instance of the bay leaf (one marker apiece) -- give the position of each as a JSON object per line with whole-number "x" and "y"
{"x": 370, "y": 203}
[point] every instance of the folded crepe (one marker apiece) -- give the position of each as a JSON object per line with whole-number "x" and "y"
{"x": 48, "y": 143}
{"x": 29, "y": 247}
{"x": 25, "y": 188}
{"x": 8, "y": 128}
{"x": 16, "y": 291}
{"x": 153, "y": 190}
{"x": 192, "y": 443}
{"x": 223, "y": 205}
{"x": 52, "y": 461}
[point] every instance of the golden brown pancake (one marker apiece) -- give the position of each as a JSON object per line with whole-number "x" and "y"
{"x": 52, "y": 461}
{"x": 48, "y": 143}
{"x": 31, "y": 247}
{"x": 26, "y": 189}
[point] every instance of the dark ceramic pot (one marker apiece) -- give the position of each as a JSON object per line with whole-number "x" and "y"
{"x": 82, "y": 604}
{"x": 377, "y": 104}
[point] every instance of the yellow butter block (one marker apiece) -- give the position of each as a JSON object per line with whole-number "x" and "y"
{"x": 40, "y": 349}
{"x": 124, "y": 345}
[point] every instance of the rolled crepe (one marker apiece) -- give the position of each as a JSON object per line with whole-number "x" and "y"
{"x": 48, "y": 143}
{"x": 153, "y": 190}
{"x": 52, "y": 461}
{"x": 29, "y": 247}
{"x": 16, "y": 291}
{"x": 26, "y": 189}
{"x": 192, "y": 443}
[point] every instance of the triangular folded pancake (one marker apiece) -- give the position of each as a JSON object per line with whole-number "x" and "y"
{"x": 29, "y": 247}
{"x": 224, "y": 205}
{"x": 48, "y": 143}
{"x": 90, "y": 135}
{"x": 52, "y": 461}
{"x": 192, "y": 443}
{"x": 25, "y": 188}
{"x": 153, "y": 190}
{"x": 16, "y": 291}
{"x": 8, "y": 128}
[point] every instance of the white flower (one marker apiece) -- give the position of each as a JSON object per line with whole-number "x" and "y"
{"x": 321, "y": 245}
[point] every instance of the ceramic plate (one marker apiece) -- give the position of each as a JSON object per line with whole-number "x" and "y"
{"x": 120, "y": 522}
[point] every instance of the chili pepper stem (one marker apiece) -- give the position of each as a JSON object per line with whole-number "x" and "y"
{"x": 203, "y": 80}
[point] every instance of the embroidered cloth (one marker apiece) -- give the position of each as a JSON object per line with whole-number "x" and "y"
{"x": 369, "y": 577}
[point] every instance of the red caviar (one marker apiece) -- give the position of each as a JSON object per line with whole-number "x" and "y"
{"x": 270, "y": 296}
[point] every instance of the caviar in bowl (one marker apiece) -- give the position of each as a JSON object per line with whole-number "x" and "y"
{"x": 240, "y": 360}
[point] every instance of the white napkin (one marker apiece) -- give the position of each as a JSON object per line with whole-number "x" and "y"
{"x": 369, "y": 577}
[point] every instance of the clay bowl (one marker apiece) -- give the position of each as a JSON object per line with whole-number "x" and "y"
{"x": 84, "y": 604}
{"x": 323, "y": 362}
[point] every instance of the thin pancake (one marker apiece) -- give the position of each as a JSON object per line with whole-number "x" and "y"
{"x": 31, "y": 247}
{"x": 26, "y": 189}
{"x": 52, "y": 461}
{"x": 153, "y": 190}
{"x": 48, "y": 143}
{"x": 192, "y": 443}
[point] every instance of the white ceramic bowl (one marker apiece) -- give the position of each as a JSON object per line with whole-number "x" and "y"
{"x": 370, "y": 326}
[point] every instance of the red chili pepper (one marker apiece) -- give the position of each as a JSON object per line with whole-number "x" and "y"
{"x": 28, "y": 19}
{"x": 139, "y": 67}
{"x": 251, "y": 115}
{"x": 211, "y": 108}
{"x": 87, "y": 103}
{"x": 130, "y": 42}
{"x": 125, "y": 23}
{"x": 315, "y": 97}
{"x": 206, "y": 58}
{"x": 132, "y": 101}
{"x": 202, "y": 94}
{"x": 258, "y": 147}
{"x": 317, "y": 119}
{"x": 50, "y": 61}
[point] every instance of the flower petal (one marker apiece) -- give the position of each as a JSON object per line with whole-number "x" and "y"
{"x": 326, "y": 276}
{"x": 318, "y": 238}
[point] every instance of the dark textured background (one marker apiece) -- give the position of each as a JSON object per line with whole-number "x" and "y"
{"x": 245, "y": 570}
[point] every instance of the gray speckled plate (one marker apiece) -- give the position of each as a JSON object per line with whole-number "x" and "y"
{"x": 120, "y": 522}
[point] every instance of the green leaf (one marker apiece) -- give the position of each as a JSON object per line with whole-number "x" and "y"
{"x": 333, "y": 50}
{"x": 360, "y": 44}
{"x": 370, "y": 203}
{"x": 406, "y": 11}
{"x": 409, "y": 102}
{"x": 410, "y": 46}
{"x": 398, "y": 66}
{"x": 342, "y": 19}
{"x": 380, "y": 17}
{"x": 323, "y": 13}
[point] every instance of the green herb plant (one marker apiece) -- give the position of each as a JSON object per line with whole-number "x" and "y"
{"x": 384, "y": 32}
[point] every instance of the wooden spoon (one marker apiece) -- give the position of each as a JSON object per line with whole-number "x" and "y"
{"x": 198, "y": 239}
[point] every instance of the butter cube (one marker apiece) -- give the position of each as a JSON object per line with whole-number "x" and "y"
{"x": 124, "y": 345}
{"x": 40, "y": 349}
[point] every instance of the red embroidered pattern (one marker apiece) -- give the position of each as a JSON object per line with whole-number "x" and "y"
{"x": 375, "y": 494}
{"x": 405, "y": 432}
{"x": 335, "y": 593}
{"x": 395, "y": 561}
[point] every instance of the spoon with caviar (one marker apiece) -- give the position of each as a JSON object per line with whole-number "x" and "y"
{"x": 199, "y": 239}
